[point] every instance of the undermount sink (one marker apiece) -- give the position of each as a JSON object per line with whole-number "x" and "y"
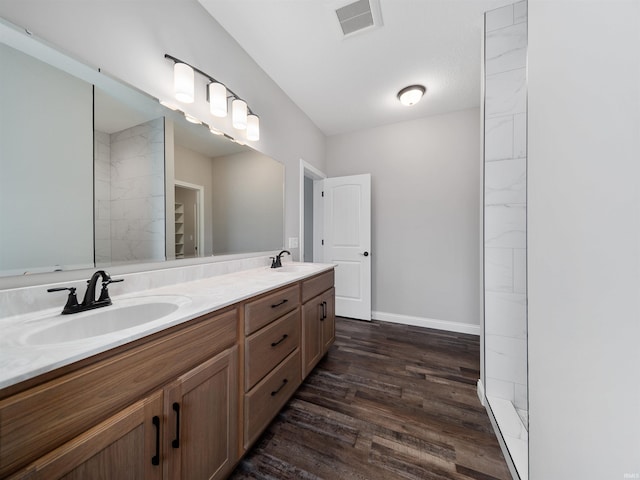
{"x": 293, "y": 268}
{"x": 122, "y": 315}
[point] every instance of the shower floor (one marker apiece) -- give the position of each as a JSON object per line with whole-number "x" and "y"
{"x": 512, "y": 424}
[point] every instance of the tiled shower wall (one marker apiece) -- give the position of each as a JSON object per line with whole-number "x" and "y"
{"x": 129, "y": 191}
{"x": 505, "y": 204}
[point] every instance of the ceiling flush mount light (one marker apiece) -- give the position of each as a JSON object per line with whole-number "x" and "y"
{"x": 411, "y": 95}
{"x": 253, "y": 128}
{"x": 239, "y": 114}
{"x": 183, "y": 82}
{"x": 242, "y": 118}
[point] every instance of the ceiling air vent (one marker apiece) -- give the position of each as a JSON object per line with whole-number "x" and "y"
{"x": 360, "y": 15}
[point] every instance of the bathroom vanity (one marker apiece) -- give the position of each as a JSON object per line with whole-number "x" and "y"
{"x": 182, "y": 399}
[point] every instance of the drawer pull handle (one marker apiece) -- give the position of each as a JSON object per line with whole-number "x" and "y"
{"x": 284, "y": 382}
{"x": 276, "y": 305}
{"x": 175, "y": 443}
{"x": 155, "y": 460}
{"x": 324, "y": 310}
{"x": 284, "y": 337}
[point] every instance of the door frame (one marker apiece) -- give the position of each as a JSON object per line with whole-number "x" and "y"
{"x": 309, "y": 171}
{"x": 199, "y": 189}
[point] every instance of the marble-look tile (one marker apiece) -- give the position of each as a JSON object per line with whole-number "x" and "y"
{"x": 520, "y": 12}
{"x": 499, "y": 388}
{"x": 520, "y": 400}
{"x": 505, "y": 314}
{"x": 505, "y": 182}
{"x": 506, "y": 358}
{"x": 506, "y": 93}
{"x": 506, "y": 49}
{"x": 505, "y": 226}
{"x": 498, "y": 270}
{"x": 520, "y": 270}
{"x": 498, "y": 138}
{"x": 520, "y": 135}
{"x": 499, "y": 18}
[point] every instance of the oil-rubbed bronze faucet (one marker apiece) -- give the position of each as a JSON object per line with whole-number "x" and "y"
{"x": 89, "y": 301}
{"x": 276, "y": 262}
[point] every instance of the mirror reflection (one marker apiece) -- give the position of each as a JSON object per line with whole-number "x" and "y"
{"x": 158, "y": 187}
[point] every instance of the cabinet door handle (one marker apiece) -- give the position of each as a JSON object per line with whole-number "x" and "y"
{"x": 284, "y": 337}
{"x": 324, "y": 312}
{"x": 175, "y": 443}
{"x": 276, "y": 305}
{"x": 284, "y": 382}
{"x": 155, "y": 460}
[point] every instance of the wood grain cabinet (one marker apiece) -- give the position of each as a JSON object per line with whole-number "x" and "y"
{"x": 184, "y": 403}
{"x": 318, "y": 320}
{"x": 272, "y": 357}
{"x": 201, "y": 412}
{"x": 187, "y": 428}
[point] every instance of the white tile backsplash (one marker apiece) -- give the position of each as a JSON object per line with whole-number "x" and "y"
{"x": 520, "y": 270}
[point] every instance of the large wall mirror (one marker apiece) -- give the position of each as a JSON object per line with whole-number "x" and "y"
{"x": 95, "y": 173}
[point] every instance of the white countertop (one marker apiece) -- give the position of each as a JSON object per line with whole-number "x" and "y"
{"x": 20, "y": 360}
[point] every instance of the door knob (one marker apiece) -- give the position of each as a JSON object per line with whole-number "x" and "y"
{"x": 366, "y": 254}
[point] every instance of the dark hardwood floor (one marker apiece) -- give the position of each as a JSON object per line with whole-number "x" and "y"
{"x": 387, "y": 401}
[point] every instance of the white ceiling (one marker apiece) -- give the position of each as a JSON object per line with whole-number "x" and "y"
{"x": 349, "y": 84}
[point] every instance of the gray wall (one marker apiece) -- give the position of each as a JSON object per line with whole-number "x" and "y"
{"x": 584, "y": 239}
{"x": 425, "y": 226}
{"x": 129, "y": 40}
{"x": 246, "y": 203}
{"x": 45, "y": 177}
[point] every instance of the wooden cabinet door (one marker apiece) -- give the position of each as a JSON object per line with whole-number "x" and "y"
{"x": 127, "y": 446}
{"x": 202, "y": 421}
{"x": 329, "y": 321}
{"x": 311, "y": 334}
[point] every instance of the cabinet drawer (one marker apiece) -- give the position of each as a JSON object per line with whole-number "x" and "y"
{"x": 264, "y": 310}
{"x": 269, "y": 396}
{"x": 40, "y": 419}
{"x": 316, "y": 285}
{"x": 266, "y": 348}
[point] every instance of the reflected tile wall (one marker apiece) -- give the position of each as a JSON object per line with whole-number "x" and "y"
{"x": 102, "y": 200}
{"x": 137, "y": 193}
{"x": 505, "y": 209}
{"x": 129, "y": 194}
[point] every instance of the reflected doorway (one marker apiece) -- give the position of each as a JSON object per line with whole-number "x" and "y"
{"x": 189, "y": 228}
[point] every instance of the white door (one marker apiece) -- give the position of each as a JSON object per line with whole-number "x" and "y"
{"x": 347, "y": 242}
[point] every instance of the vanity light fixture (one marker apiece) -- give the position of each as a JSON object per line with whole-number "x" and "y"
{"x": 218, "y": 99}
{"x": 239, "y": 114}
{"x": 217, "y": 95}
{"x": 183, "y": 82}
{"x": 411, "y": 95}
{"x": 253, "y": 128}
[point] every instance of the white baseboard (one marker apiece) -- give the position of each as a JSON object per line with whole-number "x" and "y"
{"x": 480, "y": 391}
{"x": 427, "y": 323}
